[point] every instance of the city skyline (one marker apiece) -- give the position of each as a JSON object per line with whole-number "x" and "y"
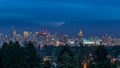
{"x": 59, "y": 34}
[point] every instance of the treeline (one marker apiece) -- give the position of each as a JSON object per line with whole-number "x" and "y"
{"x": 47, "y": 50}
{"x": 99, "y": 58}
{"x": 14, "y": 55}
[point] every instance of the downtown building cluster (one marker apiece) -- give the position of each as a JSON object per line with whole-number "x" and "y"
{"x": 43, "y": 37}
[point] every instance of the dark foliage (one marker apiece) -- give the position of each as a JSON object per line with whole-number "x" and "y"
{"x": 66, "y": 59}
{"x": 13, "y": 55}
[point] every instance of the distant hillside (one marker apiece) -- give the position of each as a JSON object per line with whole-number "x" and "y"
{"x": 92, "y": 27}
{"x": 7, "y": 25}
{"x": 16, "y": 23}
{"x": 89, "y": 28}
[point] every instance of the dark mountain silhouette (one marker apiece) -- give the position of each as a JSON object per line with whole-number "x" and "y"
{"x": 91, "y": 28}
{"x": 16, "y": 23}
{"x": 7, "y": 25}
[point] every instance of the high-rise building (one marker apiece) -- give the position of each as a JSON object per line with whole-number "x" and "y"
{"x": 37, "y": 33}
{"x": 80, "y": 33}
{"x": 14, "y": 32}
{"x": 45, "y": 32}
{"x": 81, "y": 37}
{"x": 26, "y": 33}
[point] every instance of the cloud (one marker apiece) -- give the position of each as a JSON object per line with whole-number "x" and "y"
{"x": 57, "y": 24}
{"x": 50, "y": 24}
{"x": 60, "y": 10}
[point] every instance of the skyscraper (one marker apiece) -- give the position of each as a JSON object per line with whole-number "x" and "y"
{"x": 80, "y": 35}
{"x": 14, "y": 32}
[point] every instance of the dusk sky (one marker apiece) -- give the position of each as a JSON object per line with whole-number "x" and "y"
{"x": 59, "y": 12}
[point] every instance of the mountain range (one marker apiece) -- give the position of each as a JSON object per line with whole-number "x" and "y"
{"x": 89, "y": 28}
{"x": 7, "y": 26}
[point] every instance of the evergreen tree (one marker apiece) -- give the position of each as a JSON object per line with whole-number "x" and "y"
{"x": 101, "y": 58}
{"x": 12, "y": 55}
{"x": 67, "y": 59}
{"x": 101, "y": 53}
{"x": 32, "y": 59}
{"x": 80, "y": 55}
{"x": 47, "y": 64}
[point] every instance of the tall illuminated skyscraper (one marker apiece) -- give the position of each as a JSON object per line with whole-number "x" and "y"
{"x": 26, "y": 33}
{"x": 80, "y": 34}
{"x": 14, "y": 32}
{"x": 45, "y": 32}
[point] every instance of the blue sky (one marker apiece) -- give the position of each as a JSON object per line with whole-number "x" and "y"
{"x": 59, "y": 12}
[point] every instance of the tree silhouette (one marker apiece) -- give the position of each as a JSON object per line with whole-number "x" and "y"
{"x": 101, "y": 53}
{"x": 31, "y": 57}
{"x": 81, "y": 55}
{"x": 13, "y": 55}
{"x": 101, "y": 58}
{"x": 67, "y": 59}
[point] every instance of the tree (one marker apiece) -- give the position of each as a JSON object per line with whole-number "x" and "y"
{"x": 101, "y": 53}
{"x": 47, "y": 64}
{"x": 10, "y": 55}
{"x": 32, "y": 59}
{"x": 101, "y": 58}
{"x": 80, "y": 55}
{"x": 67, "y": 58}
{"x": 13, "y": 55}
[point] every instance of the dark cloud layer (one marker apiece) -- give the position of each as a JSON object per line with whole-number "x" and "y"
{"x": 58, "y": 12}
